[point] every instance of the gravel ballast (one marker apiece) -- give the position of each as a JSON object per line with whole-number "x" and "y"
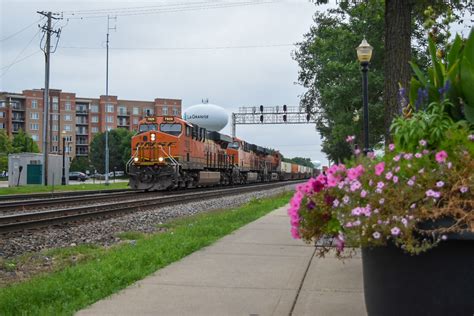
{"x": 105, "y": 232}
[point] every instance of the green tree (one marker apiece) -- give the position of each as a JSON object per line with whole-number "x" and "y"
{"x": 330, "y": 72}
{"x": 80, "y": 164}
{"x": 23, "y": 143}
{"x": 300, "y": 161}
{"x": 5, "y": 148}
{"x": 119, "y": 150}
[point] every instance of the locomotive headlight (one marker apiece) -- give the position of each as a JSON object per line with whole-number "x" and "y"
{"x": 135, "y": 159}
{"x": 153, "y": 137}
{"x": 160, "y": 159}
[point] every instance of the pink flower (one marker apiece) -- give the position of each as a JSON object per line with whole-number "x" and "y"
{"x": 371, "y": 154}
{"x": 395, "y": 231}
{"x": 432, "y": 193}
{"x": 422, "y": 142}
{"x": 356, "y": 211}
{"x": 380, "y": 185}
{"x": 335, "y": 203}
{"x": 464, "y": 189}
{"x": 363, "y": 193}
{"x": 382, "y": 201}
{"x": 411, "y": 182}
{"x": 295, "y": 233}
{"x": 340, "y": 242}
{"x": 450, "y": 164}
{"x": 408, "y": 156}
{"x": 395, "y": 179}
{"x": 371, "y": 182}
{"x": 425, "y": 151}
{"x": 388, "y": 175}
{"x": 440, "y": 184}
{"x": 379, "y": 168}
{"x": 346, "y": 199}
{"x": 441, "y": 156}
{"x": 397, "y": 168}
{"x": 396, "y": 158}
{"x": 357, "y": 152}
{"x": 354, "y": 173}
{"x": 332, "y": 181}
{"x": 350, "y": 138}
{"x": 418, "y": 155}
{"x": 391, "y": 147}
{"x": 376, "y": 235}
{"x": 355, "y": 185}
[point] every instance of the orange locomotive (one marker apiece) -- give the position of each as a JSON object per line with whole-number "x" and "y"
{"x": 169, "y": 152}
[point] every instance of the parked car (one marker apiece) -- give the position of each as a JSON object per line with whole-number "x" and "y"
{"x": 78, "y": 176}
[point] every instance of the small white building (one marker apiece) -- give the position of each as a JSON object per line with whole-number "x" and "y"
{"x": 26, "y": 168}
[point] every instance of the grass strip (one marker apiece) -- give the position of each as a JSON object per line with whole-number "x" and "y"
{"x": 33, "y": 188}
{"x": 110, "y": 270}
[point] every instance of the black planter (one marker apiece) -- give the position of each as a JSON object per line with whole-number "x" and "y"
{"x": 438, "y": 282}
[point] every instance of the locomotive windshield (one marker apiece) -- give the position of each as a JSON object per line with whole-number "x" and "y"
{"x": 172, "y": 129}
{"x": 147, "y": 127}
{"x": 234, "y": 145}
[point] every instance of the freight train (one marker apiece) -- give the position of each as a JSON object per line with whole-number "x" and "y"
{"x": 171, "y": 153}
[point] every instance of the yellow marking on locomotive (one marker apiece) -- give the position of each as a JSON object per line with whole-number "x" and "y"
{"x": 169, "y": 119}
{"x": 151, "y": 119}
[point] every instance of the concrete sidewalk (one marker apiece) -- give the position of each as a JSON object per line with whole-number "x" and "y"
{"x": 257, "y": 270}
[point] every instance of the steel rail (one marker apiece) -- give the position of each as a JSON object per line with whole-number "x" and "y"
{"x": 24, "y": 197}
{"x": 12, "y": 223}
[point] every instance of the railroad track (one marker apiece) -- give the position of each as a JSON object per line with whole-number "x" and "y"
{"x": 17, "y": 222}
{"x": 33, "y": 196}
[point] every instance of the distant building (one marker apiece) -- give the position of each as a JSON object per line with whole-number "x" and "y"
{"x": 81, "y": 118}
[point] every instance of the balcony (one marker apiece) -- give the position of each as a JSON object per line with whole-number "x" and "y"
{"x": 18, "y": 119}
{"x": 82, "y": 132}
{"x": 82, "y": 111}
{"x": 81, "y": 152}
{"x": 81, "y": 122}
{"x": 123, "y": 113}
{"x": 17, "y": 107}
{"x": 82, "y": 144}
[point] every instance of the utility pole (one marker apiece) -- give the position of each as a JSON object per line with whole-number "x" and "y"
{"x": 47, "y": 52}
{"x": 107, "y": 94}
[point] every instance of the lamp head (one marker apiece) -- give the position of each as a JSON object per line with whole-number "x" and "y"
{"x": 364, "y": 51}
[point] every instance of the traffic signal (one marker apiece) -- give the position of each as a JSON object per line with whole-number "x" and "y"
{"x": 284, "y": 117}
{"x": 261, "y": 108}
{"x": 308, "y": 108}
{"x": 308, "y": 117}
{"x": 261, "y": 118}
{"x": 284, "y": 107}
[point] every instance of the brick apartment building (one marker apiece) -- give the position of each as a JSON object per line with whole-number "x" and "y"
{"x": 80, "y": 118}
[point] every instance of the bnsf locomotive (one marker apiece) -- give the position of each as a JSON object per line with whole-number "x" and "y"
{"x": 169, "y": 152}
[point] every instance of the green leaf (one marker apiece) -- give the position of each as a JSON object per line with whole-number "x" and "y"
{"x": 453, "y": 55}
{"x": 438, "y": 80}
{"x": 469, "y": 48}
{"x": 419, "y": 74}
{"x": 467, "y": 84}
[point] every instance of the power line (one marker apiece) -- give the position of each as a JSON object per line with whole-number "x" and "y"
{"x": 21, "y": 30}
{"x": 16, "y": 59}
{"x": 20, "y": 60}
{"x": 170, "y": 10}
{"x": 181, "y": 48}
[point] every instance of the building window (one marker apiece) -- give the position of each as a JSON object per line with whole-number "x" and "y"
{"x": 2, "y": 114}
{"x": 55, "y": 117}
{"x": 109, "y": 108}
{"x": 34, "y": 137}
{"x": 95, "y": 108}
{"x": 67, "y": 106}
{"x": 122, "y": 110}
{"x": 55, "y": 127}
{"x": 148, "y": 112}
{"x": 67, "y": 127}
{"x": 2, "y": 104}
{"x": 34, "y": 115}
{"x": 55, "y": 148}
{"x": 95, "y": 119}
{"x": 136, "y": 111}
{"x": 175, "y": 111}
{"x": 135, "y": 120}
{"x": 55, "y": 103}
{"x": 67, "y": 117}
{"x": 165, "y": 110}
{"x": 109, "y": 119}
{"x": 2, "y": 125}
{"x": 55, "y": 138}
{"x": 34, "y": 126}
{"x": 34, "y": 104}
{"x": 95, "y": 130}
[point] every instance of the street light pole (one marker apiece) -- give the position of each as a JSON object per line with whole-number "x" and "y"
{"x": 63, "y": 178}
{"x": 365, "y": 88}
{"x": 364, "y": 54}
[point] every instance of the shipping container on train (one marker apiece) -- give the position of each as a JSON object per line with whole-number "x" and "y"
{"x": 169, "y": 153}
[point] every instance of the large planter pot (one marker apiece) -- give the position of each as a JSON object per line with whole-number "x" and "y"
{"x": 437, "y": 282}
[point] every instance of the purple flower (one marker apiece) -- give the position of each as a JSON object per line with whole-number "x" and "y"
{"x": 408, "y": 156}
{"x": 380, "y": 185}
{"x": 376, "y": 211}
{"x": 356, "y": 185}
{"x": 432, "y": 193}
{"x": 418, "y": 155}
{"x": 411, "y": 182}
{"x": 395, "y": 231}
{"x": 413, "y": 205}
{"x": 363, "y": 193}
{"x": 335, "y": 203}
{"x": 450, "y": 164}
{"x": 346, "y": 199}
{"x": 396, "y": 158}
{"x": 422, "y": 142}
{"x": 376, "y": 235}
{"x": 471, "y": 137}
{"x": 395, "y": 179}
{"x": 425, "y": 151}
{"x": 357, "y": 152}
{"x": 391, "y": 147}
{"x": 440, "y": 184}
{"x": 382, "y": 201}
{"x": 356, "y": 211}
{"x": 464, "y": 189}
{"x": 388, "y": 175}
{"x": 350, "y": 138}
{"x": 404, "y": 222}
